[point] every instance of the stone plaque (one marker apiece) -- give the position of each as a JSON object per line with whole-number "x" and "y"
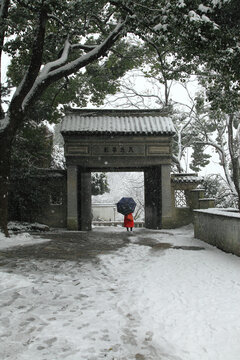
{"x": 77, "y": 150}
{"x": 118, "y": 150}
{"x": 158, "y": 149}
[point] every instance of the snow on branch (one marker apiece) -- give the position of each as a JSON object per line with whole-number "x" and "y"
{"x": 93, "y": 54}
{"x": 57, "y": 63}
{"x": 59, "y": 68}
{"x": 4, "y": 123}
{"x": 210, "y": 143}
{"x": 238, "y": 142}
{"x": 83, "y": 47}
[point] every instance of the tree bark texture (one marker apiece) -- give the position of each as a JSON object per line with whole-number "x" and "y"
{"x": 234, "y": 158}
{"x": 4, "y": 183}
{"x": 6, "y": 139}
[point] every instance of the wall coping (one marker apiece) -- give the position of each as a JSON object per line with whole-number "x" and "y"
{"x": 104, "y": 204}
{"x": 197, "y": 190}
{"x": 205, "y": 199}
{"x": 226, "y": 212}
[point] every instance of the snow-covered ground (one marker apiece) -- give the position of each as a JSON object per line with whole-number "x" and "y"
{"x": 136, "y": 302}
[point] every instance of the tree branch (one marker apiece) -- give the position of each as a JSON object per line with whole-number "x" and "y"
{"x": 59, "y": 68}
{"x": 234, "y": 158}
{"x": 83, "y": 47}
{"x": 34, "y": 66}
{"x": 53, "y": 17}
{"x": 56, "y": 63}
{"x": 177, "y": 162}
{"x": 223, "y": 160}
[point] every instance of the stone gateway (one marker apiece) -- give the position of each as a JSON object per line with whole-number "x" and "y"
{"x": 118, "y": 140}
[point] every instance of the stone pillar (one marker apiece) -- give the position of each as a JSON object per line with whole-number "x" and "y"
{"x": 206, "y": 203}
{"x": 153, "y": 201}
{"x": 72, "y": 196}
{"x": 195, "y": 196}
{"x": 84, "y": 200}
{"x": 166, "y": 196}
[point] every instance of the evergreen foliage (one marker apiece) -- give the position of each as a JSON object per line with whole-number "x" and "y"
{"x": 99, "y": 183}
{"x": 216, "y": 188}
{"x": 31, "y": 151}
{"x": 199, "y": 158}
{"x": 30, "y": 185}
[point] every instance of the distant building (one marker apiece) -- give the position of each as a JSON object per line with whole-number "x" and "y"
{"x": 104, "y": 212}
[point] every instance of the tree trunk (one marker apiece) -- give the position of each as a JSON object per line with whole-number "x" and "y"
{"x": 4, "y": 183}
{"x": 234, "y": 158}
{"x": 235, "y": 175}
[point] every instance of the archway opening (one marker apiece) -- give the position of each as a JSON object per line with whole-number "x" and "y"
{"x": 120, "y": 184}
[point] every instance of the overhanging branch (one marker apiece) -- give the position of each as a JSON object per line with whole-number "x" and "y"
{"x": 61, "y": 67}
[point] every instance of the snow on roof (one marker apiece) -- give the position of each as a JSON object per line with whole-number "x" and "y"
{"x": 186, "y": 178}
{"x": 103, "y": 121}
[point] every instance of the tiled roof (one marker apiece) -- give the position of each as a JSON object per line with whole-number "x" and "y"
{"x": 98, "y": 121}
{"x": 186, "y": 178}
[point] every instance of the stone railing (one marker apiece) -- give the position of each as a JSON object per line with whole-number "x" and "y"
{"x": 137, "y": 224}
{"x": 219, "y": 227}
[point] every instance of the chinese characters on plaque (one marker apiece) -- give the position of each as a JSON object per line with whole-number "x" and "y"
{"x": 118, "y": 149}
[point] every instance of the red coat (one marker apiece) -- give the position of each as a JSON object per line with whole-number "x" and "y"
{"x": 128, "y": 220}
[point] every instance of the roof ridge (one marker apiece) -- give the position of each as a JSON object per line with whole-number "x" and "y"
{"x": 88, "y": 111}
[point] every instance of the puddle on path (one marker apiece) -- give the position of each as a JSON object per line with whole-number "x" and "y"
{"x": 188, "y": 247}
{"x": 81, "y": 246}
{"x": 68, "y": 246}
{"x": 164, "y": 246}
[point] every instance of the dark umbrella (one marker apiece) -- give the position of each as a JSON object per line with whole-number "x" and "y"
{"x": 126, "y": 205}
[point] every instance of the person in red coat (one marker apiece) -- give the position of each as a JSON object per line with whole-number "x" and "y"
{"x": 128, "y": 221}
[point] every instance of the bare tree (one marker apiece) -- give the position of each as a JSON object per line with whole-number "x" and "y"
{"x": 133, "y": 185}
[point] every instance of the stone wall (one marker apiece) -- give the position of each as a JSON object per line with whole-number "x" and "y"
{"x": 55, "y": 209}
{"x": 104, "y": 212}
{"x": 219, "y": 227}
{"x": 186, "y": 196}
